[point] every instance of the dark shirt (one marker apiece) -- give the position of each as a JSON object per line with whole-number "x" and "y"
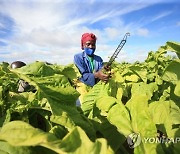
{"x": 83, "y": 64}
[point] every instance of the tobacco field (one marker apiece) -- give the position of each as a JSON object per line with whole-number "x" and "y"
{"x": 141, "y": 98}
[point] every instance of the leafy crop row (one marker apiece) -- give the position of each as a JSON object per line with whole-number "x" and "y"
{"x": 141, "y": 98}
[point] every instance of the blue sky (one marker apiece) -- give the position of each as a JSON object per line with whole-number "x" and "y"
{"x": 50, "y": 30}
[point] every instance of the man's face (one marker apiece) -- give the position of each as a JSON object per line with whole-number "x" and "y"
{"x": 90, "y": 44}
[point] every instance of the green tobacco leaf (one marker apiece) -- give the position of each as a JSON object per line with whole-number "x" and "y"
{"x": 99, "y": 90}
{"x": 80, "y": 143}
{"x": 36, "y": 69}
{"x": 56, "y": 87}
{"x": 177, "y": 89}
{"x": 158, "y": 80}
{"x": 152, "y": 64}
{"x": 103, "y": 125}
{"x": 138, "y": 108}
{"x": 176, "y": 148}
{"x": 59, "y": 131}
{"x": 1, "y": 96}
{"x": 174, "y": 47}
{"x": 172, "y": 73}
{"x": 6, "y": 148}
{"x": 135, "y": 119}
{"x": 62, "y": 95}
{"x": 20, "y": 101}
{"x": 105, "y": 103}
{"x": 69, "y": 117}
{"x": 140, "y": 72}
{"x": 4, "y": 68}
{"x": 119, "y": 117}
{"x": 110, "y": 133}
{"x": 8, "y": 79}
{"x": 117, "y": 89}
{"x": 143, "y": 89}
{"x": 132, "y": 78}
{"x": 54, "y": 93}
{"x": 162, "y": 110}
{"x": 142, "y": 123}
{"x": 159, "y": 111}
{"x": 18, "y": 133}
{"x": 166, "y": 113}
{"x": 9, "y": 149}
{"x": 54, "y": 80}
{"x": 71, "y": 71}
{"x": 118, "y": 77}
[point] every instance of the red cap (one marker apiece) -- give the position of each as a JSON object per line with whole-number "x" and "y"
{"x": 87, "y": 37}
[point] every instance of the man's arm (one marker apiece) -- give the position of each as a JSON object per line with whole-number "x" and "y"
{"x": 87, "y": 77}
{"x": 100, "y": 75}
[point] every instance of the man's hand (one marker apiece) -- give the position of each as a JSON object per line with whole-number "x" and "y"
{"x": 100, "y": 75}
{"x": 107, "y": 68}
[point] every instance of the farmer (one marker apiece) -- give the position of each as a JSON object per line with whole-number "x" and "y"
{"x": 88, "y": 63}
{"x": 23, "y": 86}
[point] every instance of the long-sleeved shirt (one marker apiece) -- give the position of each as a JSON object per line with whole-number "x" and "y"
{"x": 82, "y": 62}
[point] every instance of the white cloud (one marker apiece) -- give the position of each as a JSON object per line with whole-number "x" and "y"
{"x": 112, "y": 33}
{"x": 2, "y": 25}
{"x": 142, "y": 32}
{"x": 31, "y": 17}
{"x": 161, "y": 15}
{"x": 178, "y": 23}
{"x": 51, "y": 31}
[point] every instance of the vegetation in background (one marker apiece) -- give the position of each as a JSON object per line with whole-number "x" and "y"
{"x": 141, "y": 98}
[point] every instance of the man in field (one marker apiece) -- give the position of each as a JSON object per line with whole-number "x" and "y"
{"x": 88, "y": 63}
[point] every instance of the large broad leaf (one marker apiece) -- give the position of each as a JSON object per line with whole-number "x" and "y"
{"x": 36, "y": 69}
{"x": 110, "y": 133}
{"x": 56, "y": 87}
{"x": 61, "y": 113}
{"x": 99, "y": 90}
{"x": 171, "y": 46}
{"x": 135, "y": 119}
{"x": 166, "y": 113}
{"x": 117, "y": 89}
{"x": 105, "y": 103}
{"x": 131, "y": 78}
{"x": 80, "y": 143}
{"x": 177, "y": 89}
{"x": 140, "y": 72}
{"x": 163, "y": 111}
{"x": 6, "y": 148}
{"x": 143, "y": 89}
{"x": 117, "y": 77}
{"x": 4, "y": 68}
{"x": 71, "y": 71}
{"x": 172, "y": 73}
{"x": 103, "y": 127}
{"x": 70, "y": 117}
{"x": 176, "y": 148}
{"x": 8, "y": 79}
{"x": 142, "y": 124}
{"x": 20, "y": 101}
{"x": 18, "y": 133}
{"x": 1, "y": 97}
{"x": 119, "y": 117}
{"x": 55, "y": 93}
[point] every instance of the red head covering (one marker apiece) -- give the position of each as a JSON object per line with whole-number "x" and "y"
{"x": 87, "y": 37}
